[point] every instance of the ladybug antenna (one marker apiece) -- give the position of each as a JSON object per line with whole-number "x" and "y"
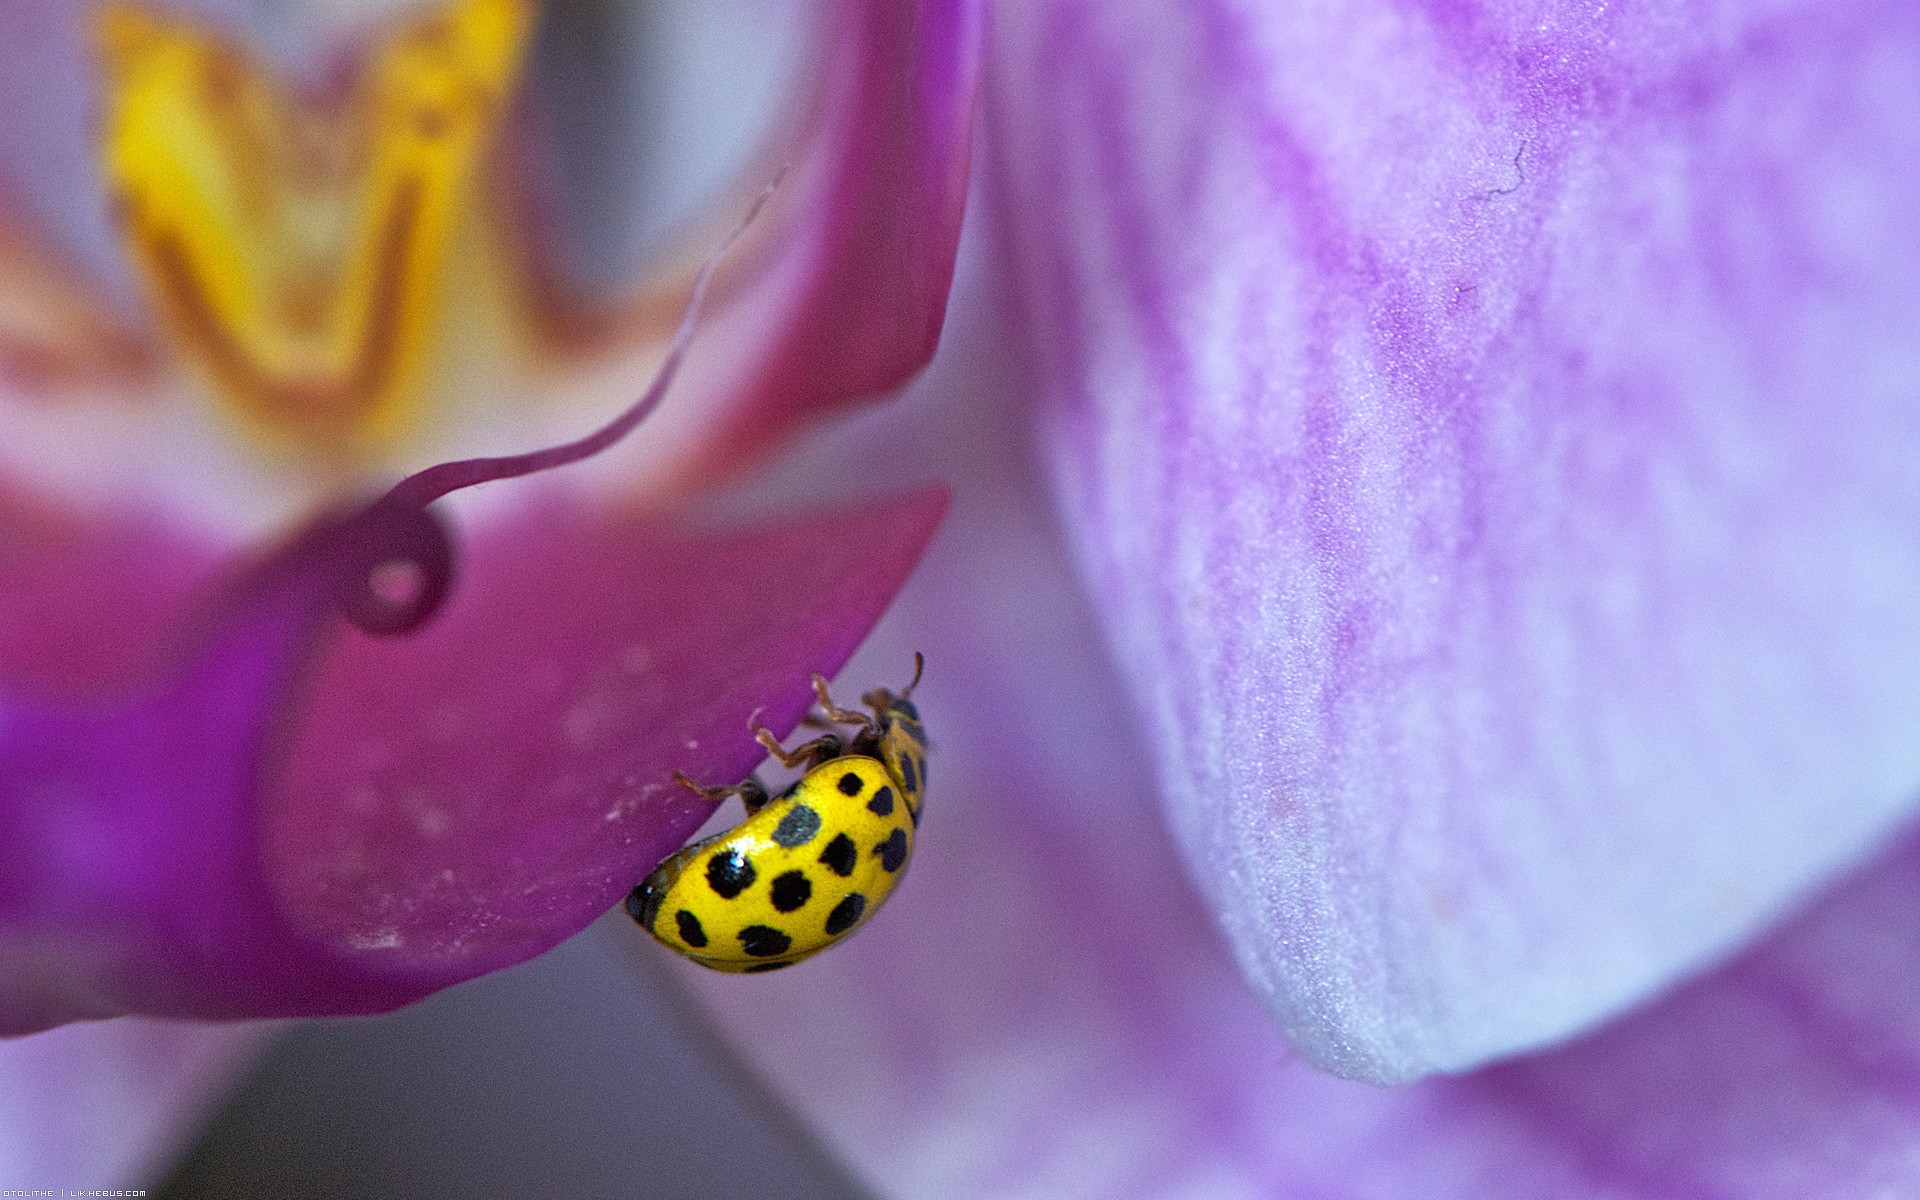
{"x": 919, "y": 665}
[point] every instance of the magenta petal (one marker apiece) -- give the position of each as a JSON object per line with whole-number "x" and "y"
{"x": 438, "y": 805}
{"x": 468, "y": 796}
{"x": 129, "y": 866}
{"x": 849, "y": 296}
{"x": 90, "y": 597}
{"x": 1488, "y": 432}
{"x": 887, "y": 221}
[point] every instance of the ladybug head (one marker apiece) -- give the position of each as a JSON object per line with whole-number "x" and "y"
{"x": 884, "y": 701}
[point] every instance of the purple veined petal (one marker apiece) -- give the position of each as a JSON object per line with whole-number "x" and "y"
{"x": 840, "y": 295}
{"x": 104, "y": 1105}
{"x": 1047, "y": 1008}
{"x": 299, "y": 819}
{"x": 1485, "y": 430}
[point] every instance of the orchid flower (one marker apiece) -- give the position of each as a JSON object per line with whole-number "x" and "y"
{"x": 1423, "y": 603}
{"x": 282, "y": 736}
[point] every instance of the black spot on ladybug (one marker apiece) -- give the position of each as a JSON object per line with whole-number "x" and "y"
{"x": 790, "y": 891}
{"x": 882, "y": 803}
{"x": 729, "y": 873}
{"x": 690, "y": 931}
{"x": 797, "y": 827}
{"x": 850, "y": 784}
{"x": 760, "y": 968}
{"x": 845, "y": 913}
{"x": 763, "y": 941}
{"x": 643, "y": 903}
{"x": 893, "y": 851}
{"x": 906, "y": 706}
{"x": 909, "y": 778}
{"x": 841, "y": 855}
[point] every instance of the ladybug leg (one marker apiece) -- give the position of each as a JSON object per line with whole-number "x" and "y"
{"x": 841, "y": 715}
{"x": 751, "y": 791}
{"x": 820, "y": 749}
{"x": 753, "y": 794}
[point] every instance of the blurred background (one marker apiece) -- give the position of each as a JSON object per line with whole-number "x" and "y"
{"x": 578, "y": 1074}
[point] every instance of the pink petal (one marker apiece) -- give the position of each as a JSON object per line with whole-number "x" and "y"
{"x": 1046, "y": 1009}
{"x": 889, "y": 219}
{"x": 1487, "y": 433}
{"x": 437, "y": 805}
{"x": 89, "y": 598}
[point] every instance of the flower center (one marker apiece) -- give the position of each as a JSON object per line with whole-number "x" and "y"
{"x": 295, "y": 246}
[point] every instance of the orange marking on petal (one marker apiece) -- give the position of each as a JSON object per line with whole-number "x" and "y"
{"x": 57, "y": 338}
{"x": 296, "y": 246}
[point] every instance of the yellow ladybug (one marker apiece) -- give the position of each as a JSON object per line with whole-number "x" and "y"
{"x": 809, "y": 866}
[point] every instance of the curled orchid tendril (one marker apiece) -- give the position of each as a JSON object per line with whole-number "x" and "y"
{"x": 404, "y": 558}
{"x": 401, "y": 569}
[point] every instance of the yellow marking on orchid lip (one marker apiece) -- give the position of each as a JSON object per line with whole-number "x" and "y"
{"x": 296, "y": 246}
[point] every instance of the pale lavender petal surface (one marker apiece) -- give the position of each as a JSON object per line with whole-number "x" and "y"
{"x": 107, "y": 1104}
{"x": 287, "y": 818}
{"x": 47, "y": 174}
{"x": 1046, "y": 1009}
{"x": 1487, "y": 430}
